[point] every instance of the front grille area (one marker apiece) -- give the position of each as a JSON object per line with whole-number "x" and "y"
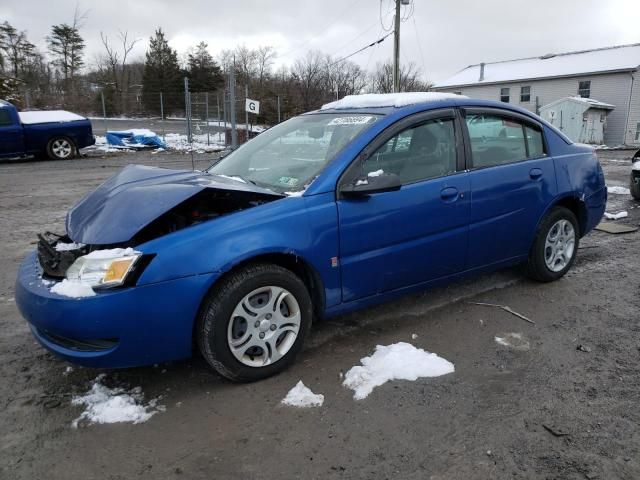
{"x": 93, "y": 345}
{"x": 55, "y": 263}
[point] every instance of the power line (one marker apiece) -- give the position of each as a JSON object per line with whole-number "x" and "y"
{"x": 373, "y": 44}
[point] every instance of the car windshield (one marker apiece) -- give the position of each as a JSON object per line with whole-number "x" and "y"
{"x": 287, "y": 157}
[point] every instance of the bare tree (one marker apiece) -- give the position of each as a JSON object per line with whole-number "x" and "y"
{"x": 410, "y": 78}
{"x": 264, "y": 59}
{"x": 309, "y": 76}
{"x": 115, "y": 61}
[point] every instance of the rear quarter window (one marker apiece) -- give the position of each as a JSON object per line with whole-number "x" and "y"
{"x": 5, "y": 117}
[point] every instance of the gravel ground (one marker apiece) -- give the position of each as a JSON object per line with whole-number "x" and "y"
{"x": 551, "y": 410}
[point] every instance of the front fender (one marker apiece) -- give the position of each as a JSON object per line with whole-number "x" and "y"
{"x": 302, "y": 226}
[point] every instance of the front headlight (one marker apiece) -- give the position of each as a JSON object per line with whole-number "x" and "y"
{"x": 103, "y": 268}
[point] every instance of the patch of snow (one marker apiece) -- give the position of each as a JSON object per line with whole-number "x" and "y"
{"x": 67, "y": 371}
{"x": 138, "y": 132}
{"x": 72, "y": 289}
{"x": 111, "y": 253}
{"x": 65, "y": 247}
{"x": 377, "y": 173}
{"x": 114, "y": 405}
{"x": 414, "y": 336}
{"x": 48, "y": 116}
{"x": 636, "y": 166}
{"x": 300, "y": 396}
{"x": 616, "y": 216}
{"x": 231, "y": 177}
{"x": 295, "y": 194}
{"x": 618, "y": 190}
{"x": 389, "y": 99}
{"x": 512, "y": 340}
{"x": 362, "y": 182}
{"x": 399, "y": 361}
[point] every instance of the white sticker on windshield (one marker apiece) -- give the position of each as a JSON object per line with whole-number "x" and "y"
{"x": 359, "y": 120}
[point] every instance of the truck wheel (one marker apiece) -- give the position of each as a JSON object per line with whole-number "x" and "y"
{"x": 634, "y": 186}
{"x": 253, "y": 324}
{"x": 60, "y": 148}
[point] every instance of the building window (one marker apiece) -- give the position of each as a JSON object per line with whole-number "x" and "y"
{"x": 504, "y": 95}
{"x": 637, "y": 131}
{"x": 525, "y": 94}
{"x": 584, "y": 89}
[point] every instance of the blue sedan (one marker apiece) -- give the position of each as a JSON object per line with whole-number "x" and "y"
{"x": 369, "y": 198}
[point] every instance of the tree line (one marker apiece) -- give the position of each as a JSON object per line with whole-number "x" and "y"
{"x": 63, "y": 77}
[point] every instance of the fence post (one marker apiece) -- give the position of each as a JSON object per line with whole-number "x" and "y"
{"x": 278, "y": 108}
{"x": 187, "y": 108}
{"x": 104, "y": 113}
{"x": 246, "y": 114}
{"x": 206, "y": 114}
{"x": 224, "y": 114}
{"x": 218, "y": 104}
{"x": 162, "y": 116}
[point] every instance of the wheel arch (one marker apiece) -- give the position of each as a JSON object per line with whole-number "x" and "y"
{"x": 573, "y": 203}
{"x": 287, "y": 259}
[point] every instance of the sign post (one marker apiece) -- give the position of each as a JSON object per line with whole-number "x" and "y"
{"x": 251, "y": 106}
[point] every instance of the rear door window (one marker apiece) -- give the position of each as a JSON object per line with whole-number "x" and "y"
{"x": 499, "y": 140}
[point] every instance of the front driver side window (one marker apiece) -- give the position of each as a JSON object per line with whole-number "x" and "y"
{"x": 418, "y": 153}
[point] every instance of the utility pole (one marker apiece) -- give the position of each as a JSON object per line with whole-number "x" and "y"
{"x": 396, "y": 48}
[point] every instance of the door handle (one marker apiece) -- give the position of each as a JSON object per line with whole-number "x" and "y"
{"x": 535, "y": 173}
{"x": 449, "y": 194}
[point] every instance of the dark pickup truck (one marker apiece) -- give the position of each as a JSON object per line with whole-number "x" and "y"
{"x": 57, "y": 134}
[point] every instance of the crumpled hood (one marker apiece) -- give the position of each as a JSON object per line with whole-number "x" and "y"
{"x": 137, "y": 195}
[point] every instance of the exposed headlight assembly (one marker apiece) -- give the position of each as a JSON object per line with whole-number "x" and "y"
{"x": 103, "y": 268}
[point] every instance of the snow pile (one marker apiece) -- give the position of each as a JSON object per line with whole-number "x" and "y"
{"x": 399, "y": 361}
{"x": 618, "y": 190}
{"x": 136, "y": 132}
{"x": 616, "y": 216}
{"x": 114, "y": 405}
{"x": 377, "y": 173}
{"x": 50, "y": 116}
{"x": 72, "y": 289}
{"x": 301, "y": 396}
{"x": 111, "y": 253}
{"x": 65, "y": 247}
{"x": 512, "y": 340}
{"x": 389, "y": 99}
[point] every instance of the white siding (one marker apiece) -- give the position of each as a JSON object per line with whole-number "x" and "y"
{"x": 612, "y": 88}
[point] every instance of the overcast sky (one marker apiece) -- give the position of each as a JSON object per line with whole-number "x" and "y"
{"x": 442, "y": 37}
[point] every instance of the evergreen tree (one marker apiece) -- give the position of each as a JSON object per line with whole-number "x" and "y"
{"x": 15, "y": 50}
{"x": 204, "y": 73}
{"x": 67, "y": 48}
{"x": 161, "y": 74}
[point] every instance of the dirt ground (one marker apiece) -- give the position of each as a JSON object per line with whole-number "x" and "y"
{"x": 550, "y": 411}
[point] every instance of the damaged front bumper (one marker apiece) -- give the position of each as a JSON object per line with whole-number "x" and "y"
{"x": 116, "y": 328}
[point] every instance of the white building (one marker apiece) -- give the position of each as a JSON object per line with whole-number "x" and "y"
{"x": 610, "y": 75}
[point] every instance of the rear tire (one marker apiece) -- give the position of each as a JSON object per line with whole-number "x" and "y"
{"x": 634, "y": 186}
{"x": 61, "y": 148}
{"x": 253, "y": 324}
{"x": 555, "y": 246}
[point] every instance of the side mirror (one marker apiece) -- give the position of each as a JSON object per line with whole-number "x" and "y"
{"x": 387, "y": 182}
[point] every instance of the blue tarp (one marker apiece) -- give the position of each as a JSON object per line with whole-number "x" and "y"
{"x": 134, "y": 138}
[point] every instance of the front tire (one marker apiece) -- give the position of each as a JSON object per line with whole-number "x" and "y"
{"x": 555, "y": 246}
{"x": 61, "y": 148}
{"x": 254, "y": 323}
